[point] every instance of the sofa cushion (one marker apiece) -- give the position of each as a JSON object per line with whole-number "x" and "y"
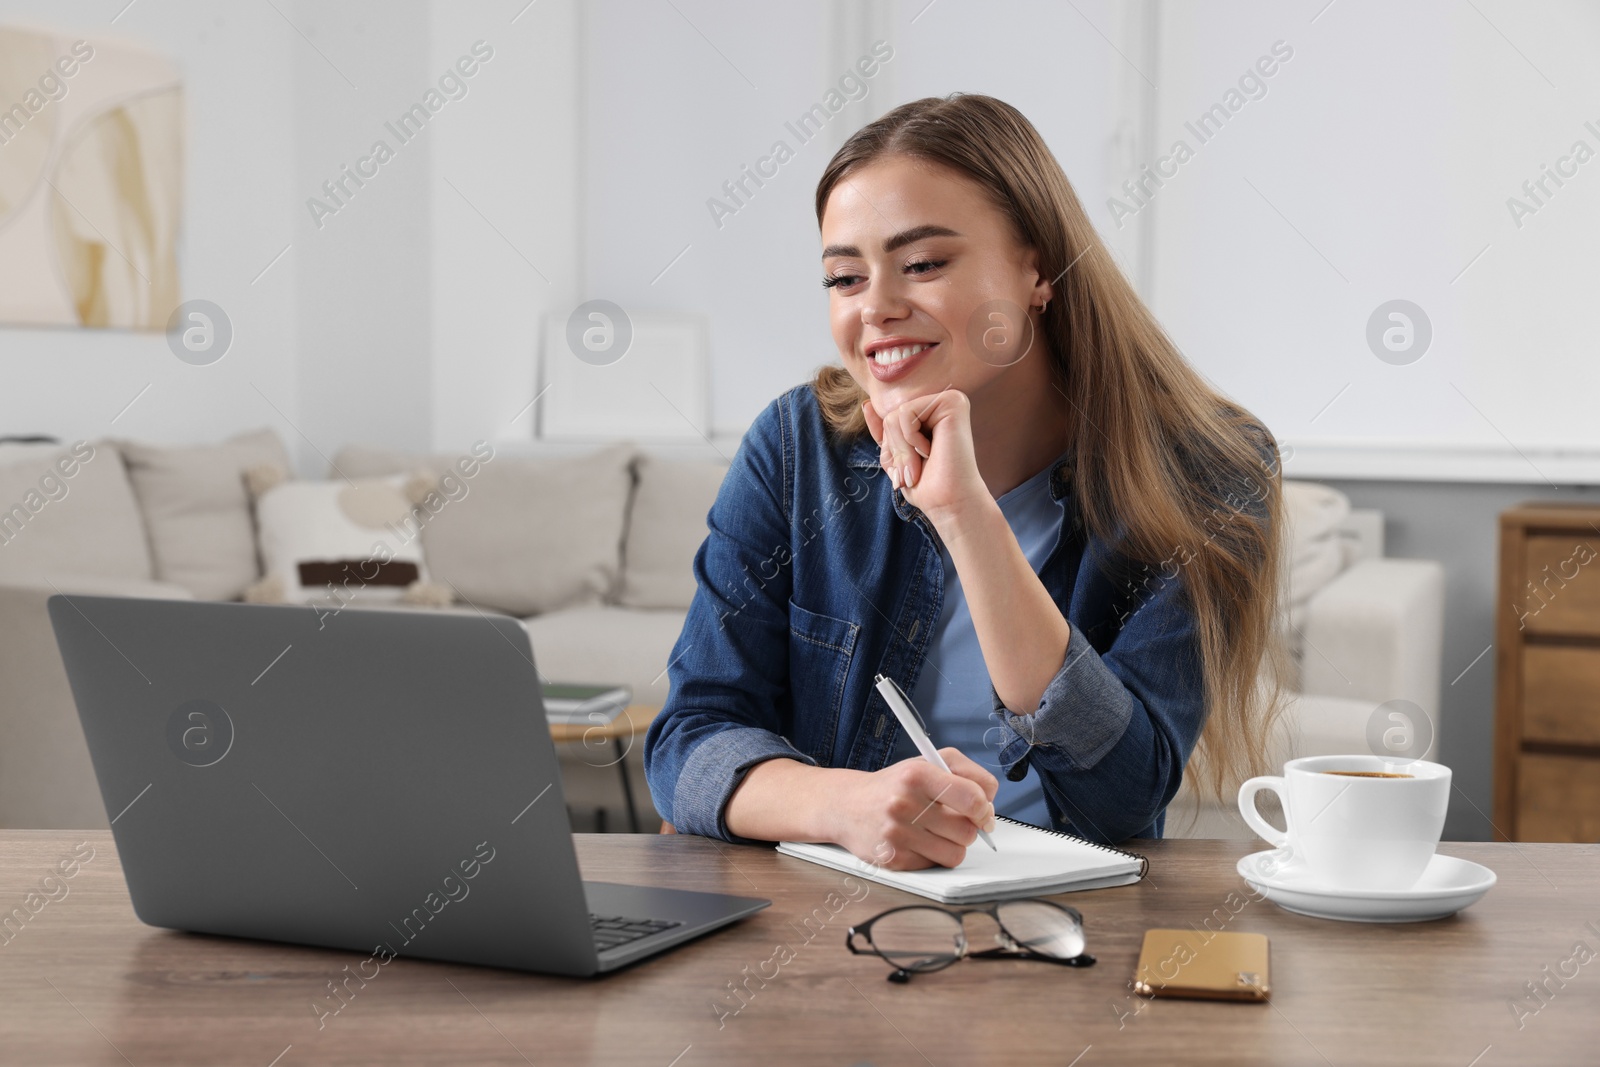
{"x": 606, "y": 645}
{"x": 1312, "y": 566}
{"x": 69, "y": 509}
{"x": 1316, "y": 552}
{"x": 368, "y": 461}
{"x": 666, "y": 526}
{"x": 1311, "y": 725}
{"x": 1314, "y": 511}
{"x": 527, "y": 536}
{"x": 339, "y": 540}
{"x": 1314, "y": 555}
{"x": 197, "y": 510}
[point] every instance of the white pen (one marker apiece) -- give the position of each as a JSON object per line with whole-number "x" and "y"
{"x": 900, "y": 704}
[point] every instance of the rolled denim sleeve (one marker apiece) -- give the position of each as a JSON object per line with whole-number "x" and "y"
{"x": 714, "y": 769}
{"x": 1116, "y": 724}
{"x": 726, "y": 708}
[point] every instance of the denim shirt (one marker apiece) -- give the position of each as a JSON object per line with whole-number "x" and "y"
{"x": 817, "y": 575}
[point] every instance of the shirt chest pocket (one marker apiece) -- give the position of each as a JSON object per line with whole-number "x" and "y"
{"x": 820, "y": 648}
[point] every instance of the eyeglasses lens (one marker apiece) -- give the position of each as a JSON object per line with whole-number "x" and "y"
{"x": 919, "y": 939}
{"x": 1044, "y": 929}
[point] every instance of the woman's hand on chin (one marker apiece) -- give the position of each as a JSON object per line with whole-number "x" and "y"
{"x": 925, "y": 445}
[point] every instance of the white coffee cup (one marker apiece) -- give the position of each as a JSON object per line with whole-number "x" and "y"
{"x": 1356, "y": 831}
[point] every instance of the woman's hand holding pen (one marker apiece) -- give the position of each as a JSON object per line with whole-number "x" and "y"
{"x": 925, "y": 445}
{"x": 925, "y": 816}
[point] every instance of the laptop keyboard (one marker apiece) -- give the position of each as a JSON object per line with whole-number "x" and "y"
{"x": 616, "y": 930}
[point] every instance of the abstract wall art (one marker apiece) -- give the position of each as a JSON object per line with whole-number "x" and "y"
{"x": 91, "y": 182}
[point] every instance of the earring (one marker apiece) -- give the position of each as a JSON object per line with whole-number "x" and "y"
{"x": 1044, "y": 307}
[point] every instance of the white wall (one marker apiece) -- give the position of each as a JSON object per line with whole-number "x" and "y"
{"x": 362, "y": 278}
{"x": 239, "y": 72}
{"x": 587, "y": 149}
{"x": 1378, "y": 166}
{"x": 670, "y": 115}
{"x": 403, "y": 317}
{"x": 505, "y": 192}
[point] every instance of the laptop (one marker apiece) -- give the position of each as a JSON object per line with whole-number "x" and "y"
{"x": 382, "y": 781}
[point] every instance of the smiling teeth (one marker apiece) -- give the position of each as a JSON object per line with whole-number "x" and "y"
{"x": 885, "y": 356}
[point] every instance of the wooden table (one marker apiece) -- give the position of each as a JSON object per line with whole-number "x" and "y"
{"x": 85, "y": 983}
{"x": 617, "y": 737}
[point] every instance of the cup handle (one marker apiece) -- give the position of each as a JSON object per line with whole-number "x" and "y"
{"x": 1247, "y": 808}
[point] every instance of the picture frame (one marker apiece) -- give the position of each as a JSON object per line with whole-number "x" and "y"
{"x": 657, "y": 388}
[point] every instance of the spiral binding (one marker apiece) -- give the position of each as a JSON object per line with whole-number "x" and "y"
{"x": 1144, "y": 861}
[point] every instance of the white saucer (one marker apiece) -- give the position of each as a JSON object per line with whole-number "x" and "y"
{"x": 1446, "y": 886}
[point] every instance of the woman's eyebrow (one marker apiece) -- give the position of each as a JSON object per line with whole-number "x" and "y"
{"x": 899, "y": 240}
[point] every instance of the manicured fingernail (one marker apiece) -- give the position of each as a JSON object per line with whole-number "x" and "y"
{"x": 988, "y": 824}
{"x": 911, "y": 477}
{"x": 894, "y": 477}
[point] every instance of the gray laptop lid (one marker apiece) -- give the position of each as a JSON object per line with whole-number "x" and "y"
{"x": 380, "y": 781}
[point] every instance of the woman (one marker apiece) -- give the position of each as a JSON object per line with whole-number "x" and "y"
{"x": 1013, "y": 497}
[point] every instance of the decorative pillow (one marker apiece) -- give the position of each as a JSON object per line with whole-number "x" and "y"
{"x": 666, "y": 526}
{"x": 1312, "y": 566}
{"x": 1315, "y": 551}
{"x": 197, "y": 510}
{"x": 68, "y": 509}
{"x": 526, "y": 536}
{"x": 335, "y": 542}
{"x": 1314, "y": 510}
{"x": 368, "y": 461}
{"x": 1315, "y": 554}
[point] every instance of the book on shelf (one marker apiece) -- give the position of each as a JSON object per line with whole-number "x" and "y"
{"x": 584, "y": 705}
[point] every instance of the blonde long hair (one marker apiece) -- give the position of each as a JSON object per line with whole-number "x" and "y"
{"x": 1167, "y": 470}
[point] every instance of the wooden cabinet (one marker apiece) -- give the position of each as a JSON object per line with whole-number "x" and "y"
{"x": 1547, "y": 684}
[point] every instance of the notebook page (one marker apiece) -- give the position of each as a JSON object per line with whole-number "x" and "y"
{"x": 1027, "y": 858}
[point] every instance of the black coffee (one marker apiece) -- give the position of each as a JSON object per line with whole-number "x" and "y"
{"x": 1369, "y": 774}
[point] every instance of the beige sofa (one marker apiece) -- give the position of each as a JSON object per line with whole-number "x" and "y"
{"x": 593, "y": 552}
{"x": 1365, "y": 636}
{"x": 600, "y": 544}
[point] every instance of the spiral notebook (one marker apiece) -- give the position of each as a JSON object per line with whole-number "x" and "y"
{"x": 1030, "y": 861}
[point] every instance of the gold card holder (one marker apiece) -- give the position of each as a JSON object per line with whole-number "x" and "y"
{"x": 1203, "y": 965}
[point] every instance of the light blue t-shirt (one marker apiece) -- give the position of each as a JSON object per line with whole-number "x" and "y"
{"x": 953, "y": 691}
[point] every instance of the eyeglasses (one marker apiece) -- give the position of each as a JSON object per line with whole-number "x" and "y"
{"x": 922, "y": 937}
